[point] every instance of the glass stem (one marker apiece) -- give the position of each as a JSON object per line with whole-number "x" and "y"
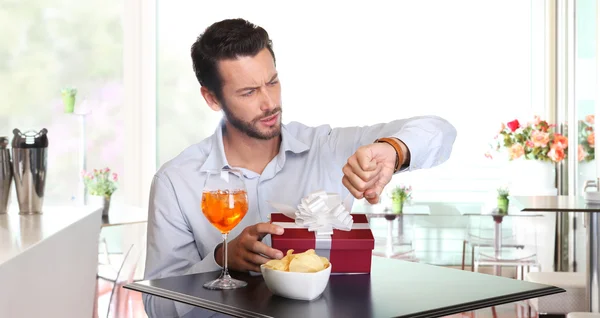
{"x": 225, "y": 273}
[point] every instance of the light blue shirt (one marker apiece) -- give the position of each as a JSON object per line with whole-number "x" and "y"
{"x": 182, "y": 241}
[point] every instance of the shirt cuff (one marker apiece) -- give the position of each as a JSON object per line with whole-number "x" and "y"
{"x": 419, "y": 151}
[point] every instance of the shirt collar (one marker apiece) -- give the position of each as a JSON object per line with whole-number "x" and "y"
{"x": 217, "y": 160}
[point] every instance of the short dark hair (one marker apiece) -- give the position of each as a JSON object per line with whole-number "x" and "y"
{"x": 223, "y": 40}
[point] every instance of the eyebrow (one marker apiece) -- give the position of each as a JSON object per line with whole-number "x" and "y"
{"x": 251, "y": 88}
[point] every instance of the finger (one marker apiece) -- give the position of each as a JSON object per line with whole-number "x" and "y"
{"x": 358, "y": 183}
{"x": 248, "y": 266}
{"x": 256, "y": 247}
{"x": 356, "y": 168}
{"x": 373, "y": 194}
{"x": 253, "y": 267}
{"x": 357, "y": 194}
{"x": 256, "y": 259}
{"x": 365, "y": 159}
{"x": 259, "y": 230}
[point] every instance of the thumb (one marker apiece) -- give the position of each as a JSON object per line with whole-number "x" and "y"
{"x": 372, "y": 195}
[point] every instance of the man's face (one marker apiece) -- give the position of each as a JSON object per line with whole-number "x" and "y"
{"x": 252, "y": 95}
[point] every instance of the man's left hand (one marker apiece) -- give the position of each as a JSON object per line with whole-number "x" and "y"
{"x": 369, "y": 170}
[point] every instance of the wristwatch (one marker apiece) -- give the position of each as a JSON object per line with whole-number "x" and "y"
{"x": 399, "y": 155}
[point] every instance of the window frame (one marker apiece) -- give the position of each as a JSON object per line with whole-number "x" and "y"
{"x": 139, "y": 77}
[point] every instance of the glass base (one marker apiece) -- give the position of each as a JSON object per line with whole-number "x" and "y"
{"x": 225, "y": 283}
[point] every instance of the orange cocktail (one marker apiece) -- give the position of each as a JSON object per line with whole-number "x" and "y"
{"x": 224, "y": 209}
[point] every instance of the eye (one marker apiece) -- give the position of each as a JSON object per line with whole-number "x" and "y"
{"x": 273, "y": 82}
{"x": 248, "y": 93}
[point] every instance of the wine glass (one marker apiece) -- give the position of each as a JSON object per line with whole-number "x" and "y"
{"x": 224, "y": 203}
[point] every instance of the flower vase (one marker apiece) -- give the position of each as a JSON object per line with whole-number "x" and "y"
{"x": 531, "y": 177}
{"x": 105, "y": 205}
{"x": 103, "y": 202}
{"x": 397, "y": 206}
{"x": 502, "y": 205}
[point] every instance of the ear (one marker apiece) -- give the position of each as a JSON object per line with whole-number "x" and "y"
{"x": 210, "y": 98}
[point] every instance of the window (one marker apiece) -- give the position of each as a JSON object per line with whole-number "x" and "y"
{"x": 44, "y": 48}
{"x": 474, "y": 63}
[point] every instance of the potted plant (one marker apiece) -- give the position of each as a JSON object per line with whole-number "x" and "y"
{"x": 68, "y": 97}
{"x": 503, "y": 201}
{"x": 587, "y": 139}
{"x": 536, "y": 140}
{"x": 533, "y": 149}
{"x": 102, "y": 184}
{"x": 400, "y": 195}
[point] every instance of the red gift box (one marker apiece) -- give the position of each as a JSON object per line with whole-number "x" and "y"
{"x": 348, "y": 251}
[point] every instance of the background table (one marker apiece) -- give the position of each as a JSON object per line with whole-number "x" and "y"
{"x": 575, "y": 204}
{"x": 124, "y": 215}
{"x": 394, "y": 288}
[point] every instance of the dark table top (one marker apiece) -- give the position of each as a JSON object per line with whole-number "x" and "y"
{"x": 556, "y": 203}
{"x": 395, "y": 288}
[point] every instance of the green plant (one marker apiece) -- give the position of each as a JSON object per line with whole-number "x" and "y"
{"x": 100, "y": 182}
{"x": 503, "y": 192}
{"x": 402, "y": 193}
{"x": 68, "y": 97}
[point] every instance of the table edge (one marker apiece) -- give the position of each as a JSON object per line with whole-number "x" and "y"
{"x": 440, "y": 312}
{"x": 557, "y": 210}
{"x": 183, "y": 298}
{"x": 488, "y": 302}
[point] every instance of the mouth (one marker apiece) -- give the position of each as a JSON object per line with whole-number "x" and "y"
{"x": 271, "y": 120}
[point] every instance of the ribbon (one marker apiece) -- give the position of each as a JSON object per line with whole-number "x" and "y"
{"x": 320, "y": 212}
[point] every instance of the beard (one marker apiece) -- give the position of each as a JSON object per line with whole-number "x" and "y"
{"x": 250, "y": 128}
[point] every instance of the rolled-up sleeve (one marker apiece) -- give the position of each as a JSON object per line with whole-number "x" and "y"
{"x": 429, "y": 139}
{"x": 171, "y": 248}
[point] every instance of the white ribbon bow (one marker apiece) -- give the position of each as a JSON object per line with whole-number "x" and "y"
{"x": 320, "y": 212}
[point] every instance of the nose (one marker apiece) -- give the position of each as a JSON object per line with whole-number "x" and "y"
{"x": 268, "y": 101}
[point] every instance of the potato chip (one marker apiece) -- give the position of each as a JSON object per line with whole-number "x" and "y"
{"x": 307, "y": 262}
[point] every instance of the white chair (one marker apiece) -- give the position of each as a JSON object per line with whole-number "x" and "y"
{"x": 582, "y": 315}
{"x": 572, "y": 301}
{"x": 123, "y": 275}
{"x": 404, "y": 239}
{"x": 518, "y": 245}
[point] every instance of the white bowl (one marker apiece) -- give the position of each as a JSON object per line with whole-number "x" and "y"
{"x": 300, "y": 286}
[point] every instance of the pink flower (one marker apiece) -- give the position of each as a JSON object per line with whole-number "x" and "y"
{"x": 115, "y": 177}
{"x": 536, "y": 120}
{"x": 540, "y": 139}
{"x": 502, "y": 127}
{"x": 580, "y": 153}
{"x": 591, "y": 139}
{"x": 488, "y": 155}
{"x": 560, "y": 141}
{"x": 516, "y": 151}
{"x": 556, "y": 154}
{"x": 590, "y": 119}
{"x": 529, "y": 144}
{"x": 106, "y": 170}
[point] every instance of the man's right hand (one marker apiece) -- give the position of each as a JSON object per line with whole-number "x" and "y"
{"x": 244, "y": 252}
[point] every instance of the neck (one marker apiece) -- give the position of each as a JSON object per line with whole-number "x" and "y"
{"x": 243, "y": 151}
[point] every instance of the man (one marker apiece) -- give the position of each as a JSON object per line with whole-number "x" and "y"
{"x": 235, "y": 65}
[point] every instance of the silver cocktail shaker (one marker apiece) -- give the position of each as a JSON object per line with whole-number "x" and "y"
{"x": 6, "y": 175}
{"x": 29, "y": 162}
